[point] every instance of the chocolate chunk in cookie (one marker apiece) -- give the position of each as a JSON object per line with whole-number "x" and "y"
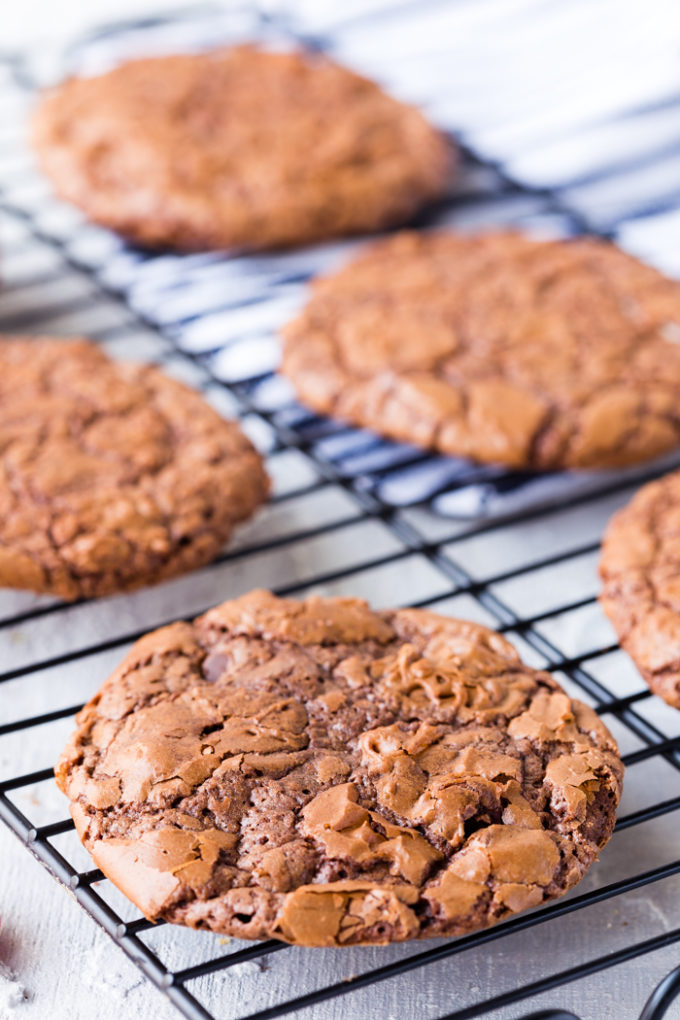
{"x": 241, "y": 147}
{"x": 327, "y": 775}
{"x": 112, "y": 475}
{"x": 640, "y": 568}
{"x": 538, "y": 355}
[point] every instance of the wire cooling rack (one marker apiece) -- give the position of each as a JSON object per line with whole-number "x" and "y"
{"x": 351, "y": 514}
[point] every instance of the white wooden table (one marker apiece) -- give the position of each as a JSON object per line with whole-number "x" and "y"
{"x": 67, "y": 967}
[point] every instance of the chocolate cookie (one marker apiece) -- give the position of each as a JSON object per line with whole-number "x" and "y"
{"x": 238, "y": 147}
{"x": 532, "y": 354}
{"x": 640, "y": 568}
{"x": 328, "y": 775}
{"x": 111, "y": 475}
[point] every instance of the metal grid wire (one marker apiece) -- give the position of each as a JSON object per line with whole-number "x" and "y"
{"x": 351, "y": 514}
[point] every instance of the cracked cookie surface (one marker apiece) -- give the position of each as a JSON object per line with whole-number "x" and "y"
{"x": 328, "y": 775}
{"x": 640, "y": 569}
{"x": 239, "y": 148}
{"x": 538, "y": 355}
{"x": 112, "y": 475}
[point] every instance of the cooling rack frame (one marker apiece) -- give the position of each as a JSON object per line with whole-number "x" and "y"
{"x": 441, "y": 556}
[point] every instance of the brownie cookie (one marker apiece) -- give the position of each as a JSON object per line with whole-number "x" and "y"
{"x": 538, "y": 355}
{"x": 112, "y": 475}
{"x": 328, "y": 775}
{"x": 640, "y": 568}
{"x": 238, "y": 147}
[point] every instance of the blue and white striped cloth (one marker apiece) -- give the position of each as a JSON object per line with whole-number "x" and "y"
{"x": 571, "y": 113}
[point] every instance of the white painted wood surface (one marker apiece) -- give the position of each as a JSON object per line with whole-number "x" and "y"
{"x": 70, "y": 969}
{"x": 65, "y": 964}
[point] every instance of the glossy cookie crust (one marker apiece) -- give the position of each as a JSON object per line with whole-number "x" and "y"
{"x": 536, "y": 355}
{"x": 240, "y": 147}
{"x": 327, "y": 775}
{"x": 640, "y": 569}
{"x": 112, "y": 475}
